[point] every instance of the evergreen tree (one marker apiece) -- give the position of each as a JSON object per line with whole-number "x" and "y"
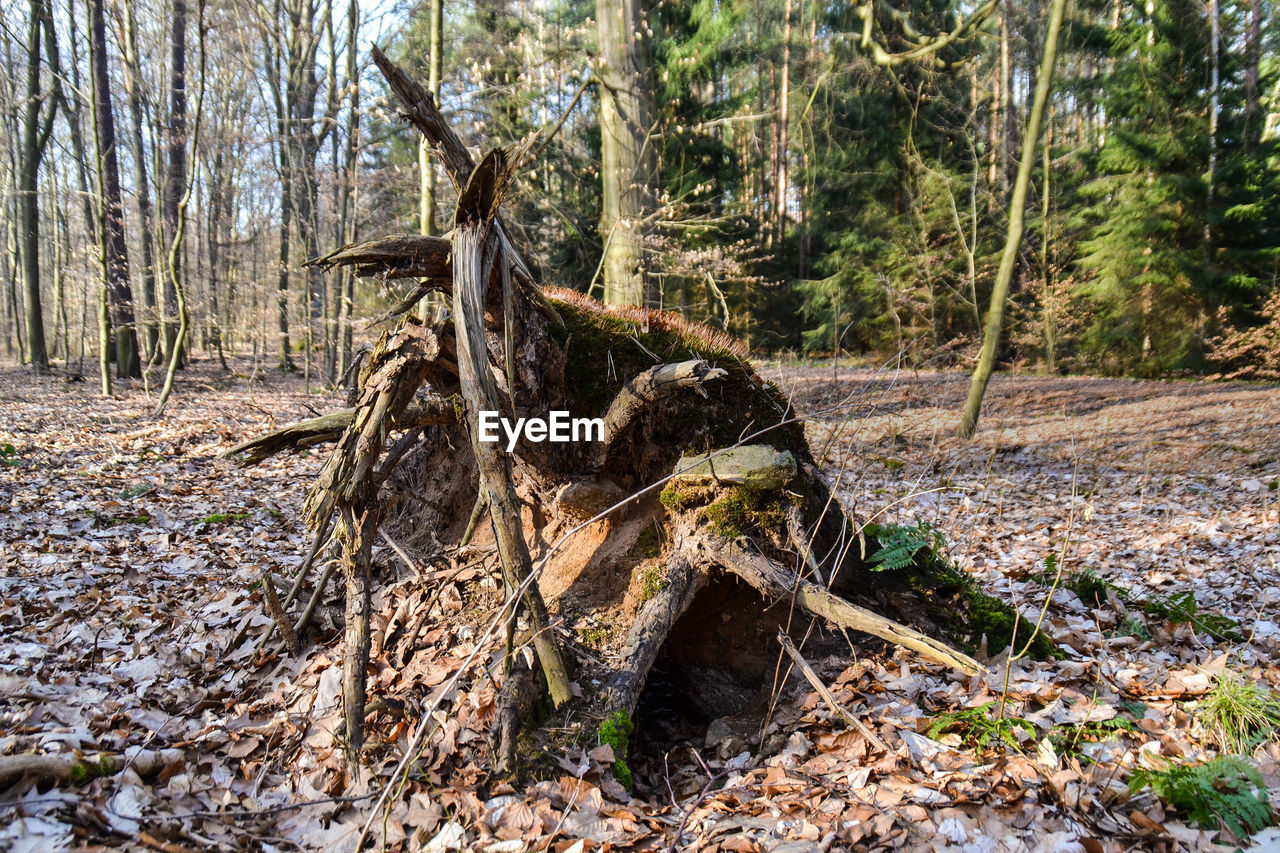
{"x": 1146, "y": 256}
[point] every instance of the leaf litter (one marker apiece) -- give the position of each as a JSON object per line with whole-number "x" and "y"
{"x": 132, "y": 620}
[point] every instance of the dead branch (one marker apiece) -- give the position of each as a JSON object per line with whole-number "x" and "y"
{"x": 812, "y": 677}
{"x": 278, "y": 615}
{"x": 773, "y": 580}
{"x": 395, "y": 256}
{"x": 432, "y": 411}
{"x": 61, "y": 769}
{"x": 644, "y": 639}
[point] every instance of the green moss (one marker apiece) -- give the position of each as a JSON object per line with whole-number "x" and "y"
{"x": 678, "y": 497}
{"x": 652, "y": 581}
{"x": 86, "y": 771}
{"x": 1090, "y": 588}
{"x": 616, "y": 731}
{"x": 990, "y": 616}
{"x": 743, "y": 509}
{"x": 224, "y": 517}
{"x": 597, "y": 636}
{"x": 966, "y": 613}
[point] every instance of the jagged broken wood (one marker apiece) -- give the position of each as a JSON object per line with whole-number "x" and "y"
{"x": 476, "y": 248}
{"x": 641, "y": 393}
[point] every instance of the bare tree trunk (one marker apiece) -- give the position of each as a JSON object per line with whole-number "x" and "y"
{"x": 626, "y": 159}
{"x": 784, "y": 117}
{"x": 35, "y": 136}
{"x": 426, "y": 166}
{"x": 176, "y": 177}
{"x": 1013, "y": 239}
{"x": 146, "y": 211}
{"x": 1049, "y": 307}
{"x": 114, "y": 250}
{"x": 177, "y": 245}
{"x": 347, "y": 211}
{"x": 1009, "y": 121}
{"x": 1214, "y": 96}
{"x": 1252, "y": 54}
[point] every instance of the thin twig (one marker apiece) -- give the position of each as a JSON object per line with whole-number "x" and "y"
{"x": 835, "y": 706}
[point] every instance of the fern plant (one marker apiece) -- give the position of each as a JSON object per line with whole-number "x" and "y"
{"x": 979, "y": 729}
{"x": 899, "y": 544}
{"x": 1226, "y": 791}
{"x": 1184, "y": 608}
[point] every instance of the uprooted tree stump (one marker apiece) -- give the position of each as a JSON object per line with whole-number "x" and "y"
{"x": 685, "y": 537}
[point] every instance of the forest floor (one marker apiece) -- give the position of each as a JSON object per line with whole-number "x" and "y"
{"x": 131, "y": 614}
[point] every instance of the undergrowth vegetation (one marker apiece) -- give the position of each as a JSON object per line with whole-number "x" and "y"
{"x": 1239, "y": 714}
{"x": 1226, "y": 791}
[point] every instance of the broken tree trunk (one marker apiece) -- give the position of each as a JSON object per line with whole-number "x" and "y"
{"x": 626, "y": 546}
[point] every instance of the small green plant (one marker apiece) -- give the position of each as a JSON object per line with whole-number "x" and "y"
{"x": 1066, "y": 739}
{"x": 137, "y": 490}
{"x": 113, "y": 520}
{"x": 648, "y": 545}
{"x": 652, "y": 580}
{"x": 1183, "y": 608}
{"x": 1087, "y": 585}
{"x": 900, "y": 543}
{"x": 616, "y": 731}
{"x": 1240, "y": 714}
{"x": 8, "y": 455}
{"x": 224, "y": 517}
{"x": 1132, "y": 626}
{"x": 1226, "y": 791}
{"x": 978, "y": 728}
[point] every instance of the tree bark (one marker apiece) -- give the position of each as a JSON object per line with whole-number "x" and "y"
{"x": 784, "y": 117}
{"x": 626, "y": 157}
{"x": 35, "y": 136}
{"x": 114, "y": 251}
{"x": 146, "y": 211}
{"x": 176, "y": 177}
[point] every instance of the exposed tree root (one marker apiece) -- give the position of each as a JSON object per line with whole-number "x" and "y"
{"x": 775, "y": 581}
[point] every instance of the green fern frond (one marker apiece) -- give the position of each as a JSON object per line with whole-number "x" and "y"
{"x": 900, "y": 543}
{"x": 1227, "y": 790}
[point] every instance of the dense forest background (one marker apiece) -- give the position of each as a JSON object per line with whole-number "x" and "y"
{"x": 815, "y": 177}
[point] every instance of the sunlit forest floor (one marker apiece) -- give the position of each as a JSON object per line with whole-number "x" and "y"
{"x": 131, "y": 620}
